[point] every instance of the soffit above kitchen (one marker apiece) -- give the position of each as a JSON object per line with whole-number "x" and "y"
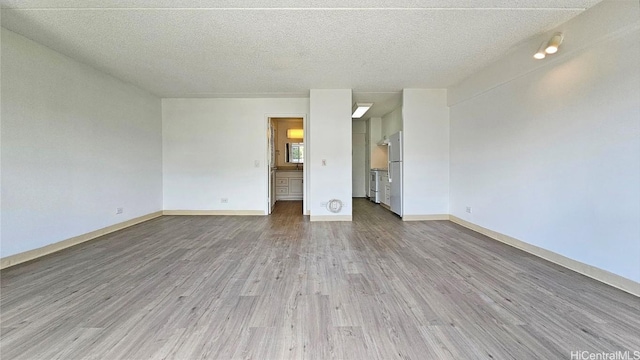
{"x": 283, "y": 48}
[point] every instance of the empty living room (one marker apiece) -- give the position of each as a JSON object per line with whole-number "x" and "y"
{"x": 357, "y": 179}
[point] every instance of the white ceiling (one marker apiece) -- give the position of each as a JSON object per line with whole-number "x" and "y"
{"x": 283, "y": 48}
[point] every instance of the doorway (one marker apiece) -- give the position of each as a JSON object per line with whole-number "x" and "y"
{"x": 287, "y": 152}
{"x": 358, "y": 162}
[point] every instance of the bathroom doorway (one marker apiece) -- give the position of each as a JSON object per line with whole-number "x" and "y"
{"x": 286, "y": 158}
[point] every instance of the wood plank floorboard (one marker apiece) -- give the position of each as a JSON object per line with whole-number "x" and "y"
{"x": 281, "y": 287}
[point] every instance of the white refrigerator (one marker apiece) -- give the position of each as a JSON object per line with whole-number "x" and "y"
{"x": 395, "y": 171}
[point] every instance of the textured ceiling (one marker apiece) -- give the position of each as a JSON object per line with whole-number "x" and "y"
{"x": 284, "y": 48}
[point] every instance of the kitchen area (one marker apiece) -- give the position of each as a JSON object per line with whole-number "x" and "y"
{"x": 385, "y": 184}
{"x": 406, "y": 162}
{"x": 384, "y": 157}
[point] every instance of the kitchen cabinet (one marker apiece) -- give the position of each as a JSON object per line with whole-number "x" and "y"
{"x": 385, "y": 188}
{"x": 289, "y": 185}
{"x": 295, "y": 186}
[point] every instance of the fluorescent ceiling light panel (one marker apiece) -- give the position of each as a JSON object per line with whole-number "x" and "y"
{"x": 360, "y": 109}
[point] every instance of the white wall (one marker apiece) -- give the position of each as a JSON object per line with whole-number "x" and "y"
{"x": 378, "y": 154}
{"x": 76, "y": 145}
{"x": 391, "y": 123}
{"x": 330, "y": 140}
{"x": 360, "y": 172}
{"x": 551, "y": 156}
{"x": 358, "y": 127}
{"x": 210, "y": 149}
{"x": 425, "y": 152}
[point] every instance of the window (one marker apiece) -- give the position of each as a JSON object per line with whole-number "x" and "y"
{"x": 295, "y": 153}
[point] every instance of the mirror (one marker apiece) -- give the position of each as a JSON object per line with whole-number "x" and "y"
{"x": 295, "y": 153}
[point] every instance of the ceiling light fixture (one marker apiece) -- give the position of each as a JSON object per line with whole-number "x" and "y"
{"x": 360, "y": 109}
{"x": 550, "y": 47}
{"x": 540, "y": 54}
{"x": 295, "y": 133}
{"x": 554, "y": 43}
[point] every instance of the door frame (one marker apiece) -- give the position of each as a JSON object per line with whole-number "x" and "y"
{"x": 269, "y": 133}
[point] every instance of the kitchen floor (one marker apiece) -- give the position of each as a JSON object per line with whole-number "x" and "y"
{"x": 281, "y": 287}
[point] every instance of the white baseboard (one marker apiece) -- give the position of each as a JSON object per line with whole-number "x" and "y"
{"x": 330, "y": 218}
{"x": 593, "y": 272}
{"x": 60, "y": 245}
{"x": 214, "y": 212}
{"x": 425, "y": 217}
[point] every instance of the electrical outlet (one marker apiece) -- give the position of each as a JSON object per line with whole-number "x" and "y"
{"x": 119, "y": 211}
{"x": 224, "y": 201}
{"x": 469, "y": 209}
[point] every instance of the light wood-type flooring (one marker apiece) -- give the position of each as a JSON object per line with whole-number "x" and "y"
{"x": 281, "y": 287}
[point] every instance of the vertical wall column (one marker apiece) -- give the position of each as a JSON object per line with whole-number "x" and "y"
{"x": 329, "y": 155}
{"x": 425, "y": 123}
